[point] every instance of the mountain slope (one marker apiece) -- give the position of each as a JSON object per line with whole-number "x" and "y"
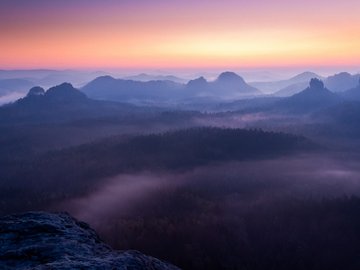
{"x": 314, "y": 97}
{"x": 232, "y": 85}
{"x": 352, "y": 94}
{"x": 227, "y": 85}
{"x": 40, "y": 240}
{"x": 109, "y": 88}
{"x": 291, "y": 89}
{"x": 58, "y": 104}
{"x": 287, "y": 87}
{"x": 342, "y": 81}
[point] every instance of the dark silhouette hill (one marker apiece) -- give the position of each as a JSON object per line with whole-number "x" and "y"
{"x": 342, "y": 121}
{"x": 43, "y": 120}
{"x": 297, "y": 84}
{"x": 343, "y": 113}
{"x": 227, "y": 85}
{"x": 109, "y": 88}
{"x": 193, "y": 146}
{"x": 314, "y": 97}
{"x": 352, "y": 94}
{"x": 80, "y": 168}
{"x": 61, "y": 103}
{"x": 231, "y": 84}
{"x": 63, "y": 95}
{"x": 199, "y": 84}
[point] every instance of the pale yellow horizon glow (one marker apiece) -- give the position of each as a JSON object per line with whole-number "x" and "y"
{"x": 188, "y": 38}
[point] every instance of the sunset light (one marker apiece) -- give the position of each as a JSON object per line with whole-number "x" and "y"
{"x": 90, "y": 34}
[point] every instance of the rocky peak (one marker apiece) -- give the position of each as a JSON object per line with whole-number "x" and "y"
{"x": 36, "y": 91}
{"x": 41, "y": 240}
{"x": 201, "y": 81}
{"x": 64, "y": 92}
{"x": 230, "y": 77}
{"x": 316, "y": 84}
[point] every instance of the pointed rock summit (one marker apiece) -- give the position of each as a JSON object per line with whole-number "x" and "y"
{"x": 199, "y": 82}
{"x": 36, "y": 91}
{"x": 64, "y": 92}
{"x": 316, "y": 92}
{"x": 316, "y": 84}
{"x": 314, "y": 97}
{"x": 58, "y": 95}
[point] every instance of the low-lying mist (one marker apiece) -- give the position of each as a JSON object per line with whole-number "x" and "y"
{"x": 255, "y": 183}
{"x": 205, "y": 217}
{"x": 10, "y": 97}
{"x": 118, "y": 195}
{"x": 300, "y": 177}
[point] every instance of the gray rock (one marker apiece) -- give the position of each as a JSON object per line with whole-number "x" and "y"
{"x": 41, "y": 240}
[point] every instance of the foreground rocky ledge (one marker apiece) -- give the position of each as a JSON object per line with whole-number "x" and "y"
{"x": 40, "y": 240}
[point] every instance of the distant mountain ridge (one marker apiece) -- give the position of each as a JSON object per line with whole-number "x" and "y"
{"x": 336, "y": 83}
{"x": 63, "y": 93}
{"x": 233, "y": 82}
{"x": 144, "y": 77}
{"x": 352, "y": 94}
{"x": 314, "y": 97}
{"x": 165, "y": 88}
{"x": 227, "y": 85}
{"x": 287, "y": 87}
{"x": 109, "y": 88}
{"x": 61, "y": 103}
{"x": 342, "y": 81}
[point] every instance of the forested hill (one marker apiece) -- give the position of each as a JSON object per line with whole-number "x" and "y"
{"x": 78, "y": 169}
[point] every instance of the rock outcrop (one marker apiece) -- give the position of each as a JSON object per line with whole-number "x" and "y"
{"x": 40, "y": 240}
{"x": 36, "y": 91}
{"x": 313, "y": 98}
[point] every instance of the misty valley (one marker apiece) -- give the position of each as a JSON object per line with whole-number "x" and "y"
{"x": 201, "y": 173}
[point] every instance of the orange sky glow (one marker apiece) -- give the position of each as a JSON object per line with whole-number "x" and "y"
{"x": 179, "y": 33}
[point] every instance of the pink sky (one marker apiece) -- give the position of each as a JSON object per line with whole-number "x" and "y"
{"x": 229, "y": 33}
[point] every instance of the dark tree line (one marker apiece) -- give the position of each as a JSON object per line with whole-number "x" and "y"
{"x": 77, "y": 170}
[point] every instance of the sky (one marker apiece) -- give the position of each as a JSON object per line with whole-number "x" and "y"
{"x": 178, "y": 33}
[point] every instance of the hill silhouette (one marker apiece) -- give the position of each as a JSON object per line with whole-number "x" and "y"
{"x": 109, "y": 88}
{"x": 287, "y": 87}
{"x": 227, "y": 85}
{"x": 352, "y": 94}
{"x": 60, "y": 95}
{"x": 314, "y": 97}
{"x": 342, "y": 81}
{"x": 61, "y": 103}
{"x": 231, "y": 84}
